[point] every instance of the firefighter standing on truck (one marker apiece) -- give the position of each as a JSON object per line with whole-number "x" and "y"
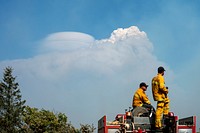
{"x": 160, "y": 92}
{"x": 140, "y": 98}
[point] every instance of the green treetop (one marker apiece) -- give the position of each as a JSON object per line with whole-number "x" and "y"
{"x": 11, "y": 104}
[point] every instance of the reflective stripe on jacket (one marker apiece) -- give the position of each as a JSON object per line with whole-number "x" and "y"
{"x": 140, "y": 98}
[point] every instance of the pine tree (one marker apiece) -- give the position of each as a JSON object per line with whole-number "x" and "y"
{"x": 11, "y": 104}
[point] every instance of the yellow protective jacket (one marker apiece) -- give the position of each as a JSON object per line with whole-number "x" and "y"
{"x": 158, "y": 88}
{"x": 140, "y": 98}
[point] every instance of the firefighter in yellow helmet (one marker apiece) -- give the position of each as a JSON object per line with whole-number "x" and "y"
{"x": 140, "y": 98}
{"x": 160, "y": 92}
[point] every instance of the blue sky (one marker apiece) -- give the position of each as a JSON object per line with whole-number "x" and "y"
{"x": 24, "y": 23}
{"x": 30, "y": 27}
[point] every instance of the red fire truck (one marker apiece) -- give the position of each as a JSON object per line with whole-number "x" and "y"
{"x": 141, "y": 120}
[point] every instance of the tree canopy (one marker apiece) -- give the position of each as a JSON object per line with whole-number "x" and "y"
{"x": 11, "y": 104}
{"x": 44, "y": 121}
{"x": 15, "y": 117}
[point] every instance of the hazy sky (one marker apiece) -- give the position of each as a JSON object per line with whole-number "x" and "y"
{"x": 87, "y": 57}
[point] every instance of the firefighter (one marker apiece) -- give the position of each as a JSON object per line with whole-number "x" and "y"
{"x": 140, "y": 98}
{"x": 160, "y": 92}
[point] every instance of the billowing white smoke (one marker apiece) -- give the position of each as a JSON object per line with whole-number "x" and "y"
{"x": 84, "y": 77}
{"x": 66, "y": 41}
